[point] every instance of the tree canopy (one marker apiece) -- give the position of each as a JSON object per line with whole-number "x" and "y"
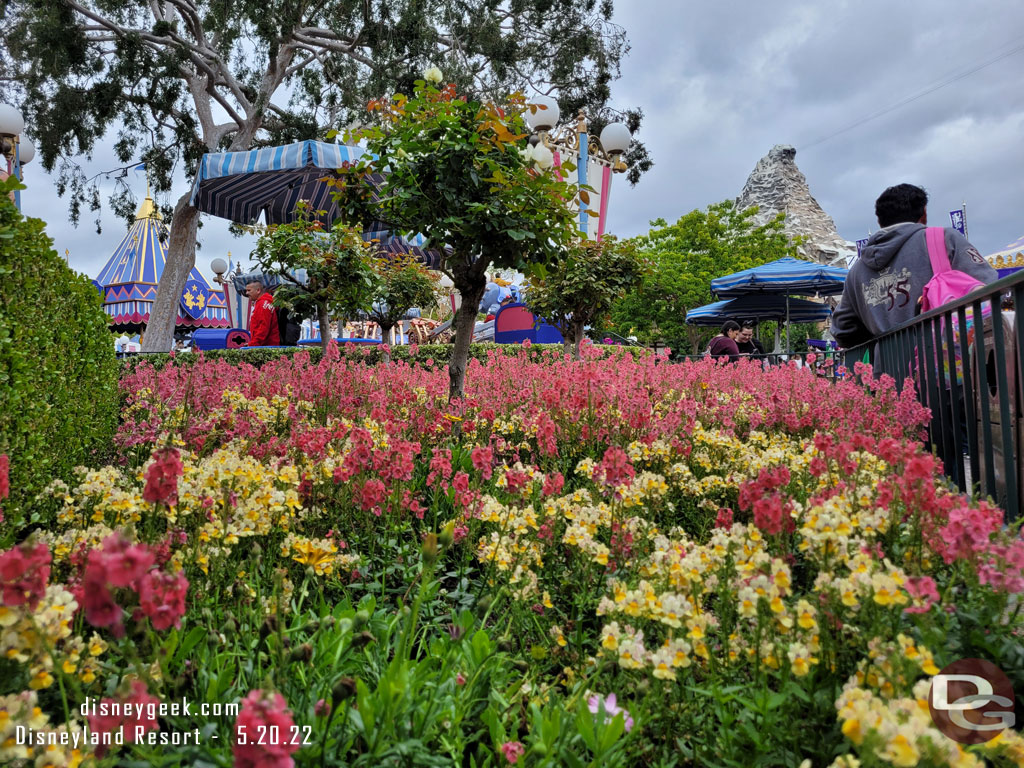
{"x": 685, "y": 257}
{"x": 337, "y": 266}
{"x": 580, "y": 289}
{"x": 457, "y": 170}
{"x": 174, "y": 79}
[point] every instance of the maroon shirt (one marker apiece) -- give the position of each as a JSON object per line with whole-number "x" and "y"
{"x": 721, "y": 346}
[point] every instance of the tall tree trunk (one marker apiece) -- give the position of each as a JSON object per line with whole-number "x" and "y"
{"x": 577, "y": 337}
{"x": 181, "y": 257}
{"x": 384, "y": 331}
{"x": 471, "y": 284}
{"x": 181, "y": 248}
{"x": 325, "y": 325}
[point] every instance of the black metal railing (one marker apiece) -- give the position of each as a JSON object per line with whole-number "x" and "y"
{"x": 964, "y": 361}
{"x": 826, "y": 364}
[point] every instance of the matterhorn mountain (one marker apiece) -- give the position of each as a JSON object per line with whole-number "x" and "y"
{"x": 777, "y": 185}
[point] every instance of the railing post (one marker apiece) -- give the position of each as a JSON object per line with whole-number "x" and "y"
{"x": 983, "y": 394}
{"x": 1006, "y": 416}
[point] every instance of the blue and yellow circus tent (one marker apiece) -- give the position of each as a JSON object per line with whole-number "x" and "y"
{"x": 129, "y": 279}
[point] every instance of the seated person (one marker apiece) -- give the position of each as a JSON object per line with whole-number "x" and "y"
{"x": 724, "y": 344}
{"x": 746, "y": 342}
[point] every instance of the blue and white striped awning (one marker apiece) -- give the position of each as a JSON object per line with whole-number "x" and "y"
{"x": 268, "y": 182}
{"x": 242, "y": 186}
{"x": 782, "y": 276}
{"x": 759, "y": 307}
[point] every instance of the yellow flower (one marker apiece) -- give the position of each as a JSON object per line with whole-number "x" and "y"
{"x": 851, "y": 730}
{"x": 899, "y": 751}
{"x": 41, "y": 679}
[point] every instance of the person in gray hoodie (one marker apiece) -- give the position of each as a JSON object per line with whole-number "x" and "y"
{"x": 883, "y": 287}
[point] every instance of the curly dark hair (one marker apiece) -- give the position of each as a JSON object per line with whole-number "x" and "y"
{"x": 901, "y": 203}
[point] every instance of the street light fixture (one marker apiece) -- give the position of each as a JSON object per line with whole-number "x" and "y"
{"x": 573, "y": 139}
{"x": 17, "y": 149}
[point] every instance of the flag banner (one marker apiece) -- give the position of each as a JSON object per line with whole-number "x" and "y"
{"x": 860, "y": 246}
{"x": 957, "y": 218}
{"x": 139, "y": 167}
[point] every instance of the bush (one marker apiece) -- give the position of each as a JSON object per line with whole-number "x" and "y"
{"x": 439, "y": 353}
{"x": 58, "y": 375}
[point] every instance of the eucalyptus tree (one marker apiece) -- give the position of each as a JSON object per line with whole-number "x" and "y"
{"x": 173, "y": 79}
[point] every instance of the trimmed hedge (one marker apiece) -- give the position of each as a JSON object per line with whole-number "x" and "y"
{"x": 439, "y": 353}
{"x": 58, "y": 374}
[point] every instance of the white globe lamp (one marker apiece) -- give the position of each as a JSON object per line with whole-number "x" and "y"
{"x": 543, "y": 113}
{"x": 615, "y": 138}
{"x": 11, "y": 121}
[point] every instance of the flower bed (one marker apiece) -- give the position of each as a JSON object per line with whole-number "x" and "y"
{"x": 616, "y": 562}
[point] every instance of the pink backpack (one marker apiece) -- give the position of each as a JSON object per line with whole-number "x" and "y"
{"x": 947, "y": 284}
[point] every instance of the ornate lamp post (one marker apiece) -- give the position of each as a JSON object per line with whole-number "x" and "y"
{"x": 574, "y": 140}
{"x": 16, "y": 149}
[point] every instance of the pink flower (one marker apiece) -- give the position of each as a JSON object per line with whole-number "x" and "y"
{"x": 513, "y": 750}
{"x": 162, "y": 477}
{"x": 611, "y": 709}
{"x": 137, "y": 711}
{"x": 724, "y": 518}
{"x": 24, "y": 573}
{"x": 5, "y": 476}
{"x": 923, "y": 592}
{"x": 162, "y": 598}
{"x": 460, "y": 679}
{"x": 322, "y": 708}
{"x": 483, "y": 461}
{"x": 123, "y": 561}
{"x": 372, "y": 495}
{"x": 615, "y": 467}
{"x": 440, "y": 466}
{"x": 553, "y": 484}
{"x": 264, "y": 712}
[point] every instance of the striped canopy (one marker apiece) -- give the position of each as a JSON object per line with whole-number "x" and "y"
{"x": 782, "y": 276}
{"x": 759, "y": 307}
{"x": 128, "y": 280}
{"x": 268, "y": 182}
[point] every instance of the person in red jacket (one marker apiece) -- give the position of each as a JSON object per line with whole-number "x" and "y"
{"x": 263, "y": 330}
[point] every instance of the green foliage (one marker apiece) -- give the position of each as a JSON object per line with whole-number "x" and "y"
{"x": 402, "y": 283}
{"x": 340, "y": 275}
{"x": 686, "y": 256}
{"x": 162, "y": 74}
{"x": 454, "y": 170}
{"x": 580, "y": 290}
{"x": 58, "y": 374}
{"x": 368, "y": 353}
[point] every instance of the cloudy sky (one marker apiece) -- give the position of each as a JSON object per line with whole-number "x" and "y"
{"x": 722, "y": 82}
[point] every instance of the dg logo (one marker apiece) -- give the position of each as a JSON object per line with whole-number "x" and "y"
{"x": 971, "y": 701}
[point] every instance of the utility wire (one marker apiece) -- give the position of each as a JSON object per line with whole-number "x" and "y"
{"x": 915, "y": 97}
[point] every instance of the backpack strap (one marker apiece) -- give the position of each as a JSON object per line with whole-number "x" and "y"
{"x": 936, "y": 239}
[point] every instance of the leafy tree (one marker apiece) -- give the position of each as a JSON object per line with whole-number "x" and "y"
{"x": 401, "y": 284}
{"x": 580, "y": 290}
{"x": 338, "y": 265}
{"x": 457, "y": 172}
{"x": 685, "y": 257}
{"x": 177, "y": 78}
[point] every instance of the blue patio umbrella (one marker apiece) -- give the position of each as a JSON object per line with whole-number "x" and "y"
{"x": 268, "y": 182}
{"x": 783, "y": 277}
{"x": 759, "y": 307}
